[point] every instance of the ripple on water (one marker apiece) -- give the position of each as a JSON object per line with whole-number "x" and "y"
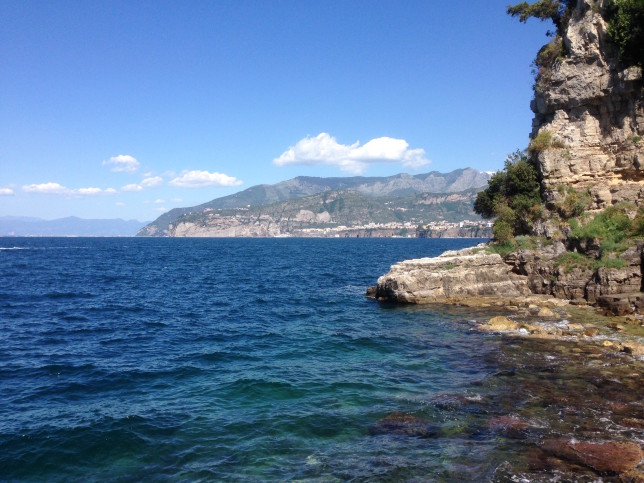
{"x": 262, "y": 360}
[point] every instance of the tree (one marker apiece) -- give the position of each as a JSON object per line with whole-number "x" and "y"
{"x": 513, "y": 196}
{"x": 626, "y": 28}
{"x": 556, "y": 10}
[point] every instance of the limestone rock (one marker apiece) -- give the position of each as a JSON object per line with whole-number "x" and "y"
{"x": 595, "y": 108}
{"x": 634, "y": 348}
{"x": 499, "y": 323}
{"x": 546, "y": 312}
{"x": 472, "y": 272}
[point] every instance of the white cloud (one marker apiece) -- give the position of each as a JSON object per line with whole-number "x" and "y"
{"x": 152, "y": 181}
{"x": 161, "y": 209}
{"x": 119, "y": 203}
{"x": 159, "y": 201}
{"x": 177, "y": 200}
{"x": 200, "y": 179}
{"x": 58, "y": 189}
{"x": 6, "y": 192}
{"x": 122, "y": 162}
{"x": 354, "y": 158}
{"x": 47, "y": 188}
{"x": 89, "y": 191}
{"x": 132, "y": 187}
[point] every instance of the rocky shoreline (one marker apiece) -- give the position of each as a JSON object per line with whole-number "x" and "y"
{"x": 503, "y": 302}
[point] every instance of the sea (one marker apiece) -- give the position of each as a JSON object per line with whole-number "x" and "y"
{"x": 166, "y": 359}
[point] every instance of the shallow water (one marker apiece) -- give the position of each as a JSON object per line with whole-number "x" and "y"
{"x": 131, "y": 359}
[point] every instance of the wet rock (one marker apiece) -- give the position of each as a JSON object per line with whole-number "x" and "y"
{"x": 633, "y": 423}
{"x": 371, "y": 291}
{"x": 620, "y": 303}
{"x": 591, "y": 331}
{"x": 405, "y": 424}
{"x": 616, "y": 326}
{"x": 609, "y": 457}
{"x": 632, "y": 347}
{"x": 545, "y": 312}
{"x": 498, "y": 324}
{"x": 633, "y": 476}
{"x": 510, "y": 426}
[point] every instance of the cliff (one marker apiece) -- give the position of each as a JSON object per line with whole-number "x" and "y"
{"x": 586, "y": 140}
{"x": 593, "y": 109}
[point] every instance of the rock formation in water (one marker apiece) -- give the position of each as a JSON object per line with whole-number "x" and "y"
{"x": 467, "y": 273}
{"x": 587, "y": 137}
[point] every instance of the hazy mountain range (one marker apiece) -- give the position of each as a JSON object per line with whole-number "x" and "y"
{"x": 69, "y": 226}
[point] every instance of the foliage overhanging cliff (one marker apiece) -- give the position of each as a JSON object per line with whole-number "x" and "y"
{"x": 586, "y": 148}
{"x": 569, "y": 212}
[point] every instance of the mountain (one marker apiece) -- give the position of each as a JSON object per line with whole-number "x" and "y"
{"x": 400, "y": 185}
{"x": 70, "y": 226}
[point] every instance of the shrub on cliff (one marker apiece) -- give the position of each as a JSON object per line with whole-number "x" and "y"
{"x": 626, "y": 28}
{"x": 574, "y": 203}
{"x": 513, "y": 197}
{"x": 608, "y": 228}
{"x": 558, "y": 11}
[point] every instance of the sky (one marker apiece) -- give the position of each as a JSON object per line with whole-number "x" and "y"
{"x": 121, "y": 109}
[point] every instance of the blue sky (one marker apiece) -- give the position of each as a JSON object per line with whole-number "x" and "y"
{"x": 126, "y": 109}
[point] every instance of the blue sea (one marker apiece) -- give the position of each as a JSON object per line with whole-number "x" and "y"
{"x": 129, "y": 359}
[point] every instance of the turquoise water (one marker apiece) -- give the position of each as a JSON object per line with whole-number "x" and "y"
{"x": 245, "y": 359}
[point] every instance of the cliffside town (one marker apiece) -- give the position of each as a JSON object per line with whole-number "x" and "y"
{"x": 394, "y": 206}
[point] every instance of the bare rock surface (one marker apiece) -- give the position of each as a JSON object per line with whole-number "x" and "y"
{"x": 594, "y": 108}
{"x": 472, "y": 272}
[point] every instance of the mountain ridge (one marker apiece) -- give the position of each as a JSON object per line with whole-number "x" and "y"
{"x": 398, "y": 185}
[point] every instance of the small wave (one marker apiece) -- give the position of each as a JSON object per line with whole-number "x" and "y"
{"x": 68, "y": 295}
{"x": 14, "y": 248}
{"x": 262, "y": 389}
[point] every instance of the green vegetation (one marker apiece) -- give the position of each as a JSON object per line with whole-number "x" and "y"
{"x": 611, "y": 225}
{"x": 513, "y": 197}
{"x": 571, "y": 260}
{"x": 637, "y": 139}
{"x": 574, "y": 204}
{"x": 558, "y": 11}
{"x": 544, "y": 140}
{"x": 626, "y": 28}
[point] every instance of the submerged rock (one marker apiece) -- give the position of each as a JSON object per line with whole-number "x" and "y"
{"x": 608, "y": 457}
{"x": 405, "y": 424}
{"x": 510, "y": 426}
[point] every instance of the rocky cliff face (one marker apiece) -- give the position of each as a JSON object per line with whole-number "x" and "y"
{"x": 594, "y": 110}
{"x": 587, "y": 135}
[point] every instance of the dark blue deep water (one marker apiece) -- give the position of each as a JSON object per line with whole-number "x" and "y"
{"x": 236, "y": 359}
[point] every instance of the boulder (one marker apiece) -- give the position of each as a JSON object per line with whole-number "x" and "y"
{"x": 454, "y": 275}
{"x": 499, "y": 324}
{"x": 610, "y": 457}
{"x": 632, "y": 347}
{"x": 545, "y": 312}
